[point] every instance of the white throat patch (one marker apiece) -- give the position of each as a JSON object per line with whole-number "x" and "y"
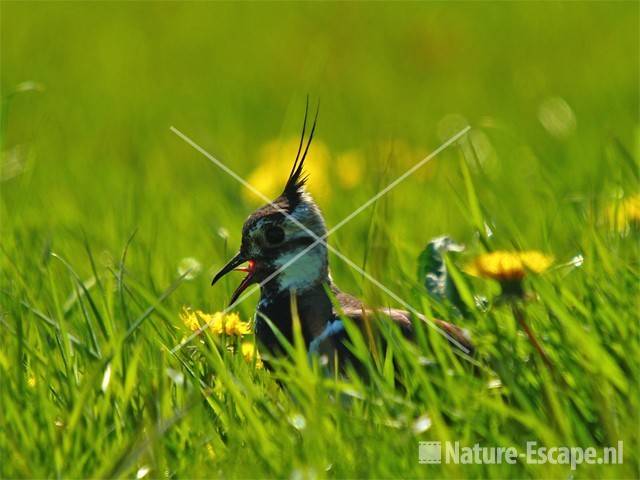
{"x": 304, "y": 272}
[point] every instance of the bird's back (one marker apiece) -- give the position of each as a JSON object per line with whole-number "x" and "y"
{"x": 367, "y": 319}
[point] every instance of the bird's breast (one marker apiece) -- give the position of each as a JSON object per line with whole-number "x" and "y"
{"x": 314, "y": 312}
{"x": 278, "y": 312}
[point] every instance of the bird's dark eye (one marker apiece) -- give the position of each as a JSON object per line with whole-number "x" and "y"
{"x": 274, "y": 235}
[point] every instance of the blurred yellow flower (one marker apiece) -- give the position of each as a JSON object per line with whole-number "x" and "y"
{"x": 348, "y": 166}
{"x": 219, "y": 322}
{"x": 231, "y": 324}
{"x": 509, "y": 266}
{"x": 31, "y": 380}
{"x": 275, "y": 161}
{"x": 249, "y": 352}
{"x": 190, "y": 318}
{"x": 398, "y": 156}
{"x": 625, "y": 214}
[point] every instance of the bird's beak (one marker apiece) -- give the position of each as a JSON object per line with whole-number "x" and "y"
{"x": 231, "y": 265}
{"x": 234, "y": 264}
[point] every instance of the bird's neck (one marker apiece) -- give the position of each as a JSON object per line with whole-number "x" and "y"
{"x": 300, "y": 270}
{"x": 305, "y": 273}
{"x": 314, "y": 311}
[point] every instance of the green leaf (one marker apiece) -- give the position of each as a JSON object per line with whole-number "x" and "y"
{"x": 432, "y": 269}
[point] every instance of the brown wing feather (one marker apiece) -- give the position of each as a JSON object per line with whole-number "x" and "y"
{"x": 356, "y": 310}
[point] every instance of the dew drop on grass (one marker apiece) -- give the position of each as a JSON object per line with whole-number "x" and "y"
{"x": 425, "y": 361}
{"x": 494, "y": 383}
{"x": 189, "y": 267}
{"x": 304, "y": 473}
{"x": 487, "y": 230}
{"x": 142, "y": 472}
{"x": 29, "y": 86}
{"x": 298, "y": 421}
{"x": 577, "y": 261}
{"x": 557, "y": 117}
{"x": 176, "y": 376}
{"x": 106, "y": 378}
{"x": 421, "y": 424}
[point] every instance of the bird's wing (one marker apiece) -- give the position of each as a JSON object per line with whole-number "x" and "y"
{"x": 354, "y": 309}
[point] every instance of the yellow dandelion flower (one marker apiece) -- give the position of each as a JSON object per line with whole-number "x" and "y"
{"x": 233, "y": 325}
{"x": 217, "y": 323}
{"x": 249, "y": 352}
{"x": 509, "y": 266}
{"x": 190, "y": 318}
{"x": 273, "y": 155}
{"x": 625, "y": 214}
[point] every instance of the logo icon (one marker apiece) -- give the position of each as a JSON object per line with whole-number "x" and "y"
{"x": 430, "y": 452}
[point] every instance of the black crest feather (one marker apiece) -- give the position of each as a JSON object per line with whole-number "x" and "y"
{"x": 297, "y": 179}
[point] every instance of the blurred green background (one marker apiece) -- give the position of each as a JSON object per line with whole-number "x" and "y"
{"x": 90, "y": 91}
{"x": 393, "y": 82}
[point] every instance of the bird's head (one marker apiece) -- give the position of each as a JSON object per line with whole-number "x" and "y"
{"x": 280, "y": 247}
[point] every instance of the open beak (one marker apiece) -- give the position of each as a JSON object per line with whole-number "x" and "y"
{"x": 234, "y": 264}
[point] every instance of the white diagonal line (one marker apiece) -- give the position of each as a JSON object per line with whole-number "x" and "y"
{"x": 321, "y": 239}
{"x": 354, "y": 213}
{"x": 295, "y": 220}
{"x": 399, "y": 179}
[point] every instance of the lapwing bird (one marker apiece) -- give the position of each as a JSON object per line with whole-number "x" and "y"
{"x": 274, "y": 240}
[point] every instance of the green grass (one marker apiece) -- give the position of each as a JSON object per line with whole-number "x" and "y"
{"x": 100, "y": 203}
